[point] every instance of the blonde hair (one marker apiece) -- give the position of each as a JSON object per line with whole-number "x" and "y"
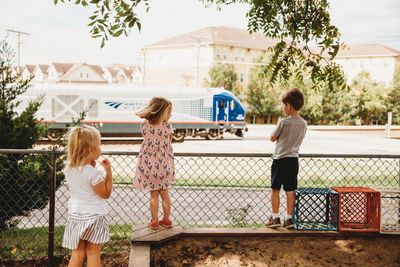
{"x": 81, "y": 139}
{"x": 155, "y": 109}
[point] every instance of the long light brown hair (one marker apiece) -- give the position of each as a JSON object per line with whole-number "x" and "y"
{"x": 155, "y": 109}
{"x": 81, "y": 140}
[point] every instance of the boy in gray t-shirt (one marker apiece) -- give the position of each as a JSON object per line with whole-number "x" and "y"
{"x": 288, "y": 134}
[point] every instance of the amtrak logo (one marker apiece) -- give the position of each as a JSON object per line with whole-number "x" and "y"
{"x": 113, "y": 104}
{"x": 240, "y": 117}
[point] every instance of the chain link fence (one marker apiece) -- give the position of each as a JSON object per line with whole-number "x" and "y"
{"x": 212, "y": 190}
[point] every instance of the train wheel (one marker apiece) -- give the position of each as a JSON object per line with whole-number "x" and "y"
{"x": 213, "y": 134}
{"x": 178, "y": 136}
{"x": 239, "y": 133}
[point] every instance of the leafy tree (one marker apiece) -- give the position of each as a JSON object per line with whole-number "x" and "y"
{"x": 261, "y": 96}
{"x": 297, "y": 25}
{"x": 368, "y": 98}
{"x": 111, "y": 17}
{"x": 224, "y": 75}
{"x": 24, "y": 179}
{"x": 393, "y": 98}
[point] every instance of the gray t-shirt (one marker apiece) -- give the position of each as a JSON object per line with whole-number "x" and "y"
{"x": 290, "y": 132}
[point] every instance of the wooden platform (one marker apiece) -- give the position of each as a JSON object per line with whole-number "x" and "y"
{"x": 144, "y": 235}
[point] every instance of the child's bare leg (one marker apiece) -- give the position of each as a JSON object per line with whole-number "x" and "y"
{"x": 78, "y": 255}
{"x": 290, "y": 199}
{"x": 275, "y": 200}
{"x": 154, "y": 205}
{"x": 93, "y": 254}
{"x": 166, "y": 204}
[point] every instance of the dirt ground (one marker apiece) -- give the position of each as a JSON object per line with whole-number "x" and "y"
{"x": 295, "y": 251}
{"x": 257, "y": 252}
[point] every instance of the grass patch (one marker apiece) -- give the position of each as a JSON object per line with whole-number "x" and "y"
{"x": 255, "y": 173}
{"x": 21, "y": 244}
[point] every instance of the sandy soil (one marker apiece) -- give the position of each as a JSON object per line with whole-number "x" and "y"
{"x": 298, "y": 251}
{"x": 258, "y": 252}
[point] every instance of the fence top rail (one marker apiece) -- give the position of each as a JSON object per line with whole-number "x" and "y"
{"x": 228, "y": 155}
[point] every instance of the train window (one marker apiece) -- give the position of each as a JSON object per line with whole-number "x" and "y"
{"x": 221, "y": 104}
{"x": 232, "y": 105}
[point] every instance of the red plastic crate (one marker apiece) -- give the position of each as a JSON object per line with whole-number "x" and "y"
{"x": 359, "y": 209}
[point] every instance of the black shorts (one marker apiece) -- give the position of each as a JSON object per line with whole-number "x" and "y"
{"x": 284, "y": 172}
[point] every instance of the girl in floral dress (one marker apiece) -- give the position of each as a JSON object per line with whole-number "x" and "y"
{"x": 155, "y": 169}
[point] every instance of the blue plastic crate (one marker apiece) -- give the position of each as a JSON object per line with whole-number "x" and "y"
{"x": 316, "y": 209}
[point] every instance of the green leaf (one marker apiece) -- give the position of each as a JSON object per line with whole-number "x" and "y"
{"x": 118, "y": 33}
{"x": 114, "y": 27}
{"x": 91, "y": 23}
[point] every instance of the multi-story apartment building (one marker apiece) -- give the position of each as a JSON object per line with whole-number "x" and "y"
{"x": 185, "y": 60}
{"x": 378, "y": 60}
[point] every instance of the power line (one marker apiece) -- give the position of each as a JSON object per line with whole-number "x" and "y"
{"x": 19, "y": 41}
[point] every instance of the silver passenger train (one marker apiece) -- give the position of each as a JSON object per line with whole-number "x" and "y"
{"x": 204, "y": 112}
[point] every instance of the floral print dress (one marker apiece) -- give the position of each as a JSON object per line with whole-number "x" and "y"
{"x": 155, "y": 166}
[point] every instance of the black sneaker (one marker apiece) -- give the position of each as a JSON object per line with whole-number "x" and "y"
{"x": 273, "y": 223}
{"x": 288, "y": 224}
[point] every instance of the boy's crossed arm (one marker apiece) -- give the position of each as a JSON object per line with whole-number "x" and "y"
{"x": 273, "y": 137}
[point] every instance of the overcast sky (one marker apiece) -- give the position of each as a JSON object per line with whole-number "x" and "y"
{"x": 59, "y": 33}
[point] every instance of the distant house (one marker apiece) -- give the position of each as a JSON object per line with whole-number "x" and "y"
{"x": 28, "y": 71}
{"x": 77, "y": 73}
{"x": 40, "y": 73}
{"x": 84, "y": 73}
{"x": 378, "y": 60}
{"x": 127, "y": 73}
{"x": 185, "y": 60}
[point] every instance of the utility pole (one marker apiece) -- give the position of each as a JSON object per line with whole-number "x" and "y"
{"x": 198, "y": 44}
{"x": 19, "y": 42}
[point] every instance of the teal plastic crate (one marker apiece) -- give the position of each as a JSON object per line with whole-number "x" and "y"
{"x": 316, "y": 209}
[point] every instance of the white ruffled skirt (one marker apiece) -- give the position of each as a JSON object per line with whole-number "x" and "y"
{"x": 89, "y": 227}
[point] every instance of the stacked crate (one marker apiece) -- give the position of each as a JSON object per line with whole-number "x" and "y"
{"x": 316, "y": 209}
{"x": 359, "y": 209}
{"x": 390, "y": 211}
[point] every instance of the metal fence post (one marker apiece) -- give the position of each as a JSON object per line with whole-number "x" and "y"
{"x": 52, "y": 207}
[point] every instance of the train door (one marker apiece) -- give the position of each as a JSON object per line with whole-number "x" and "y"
{"x": 221, "y": 108}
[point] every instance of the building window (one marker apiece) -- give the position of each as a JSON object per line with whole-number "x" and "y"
{"x": 225, "y": 56}
{"x": 218, "y": 53}
{"x": 87, "y": 75}
{"x": 241, "y": 77}
{"x": 385, "y": 64}
{"x": 81, "y": 75}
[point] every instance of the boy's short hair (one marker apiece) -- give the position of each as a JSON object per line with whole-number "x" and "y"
{"x": 293, "y": 97}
